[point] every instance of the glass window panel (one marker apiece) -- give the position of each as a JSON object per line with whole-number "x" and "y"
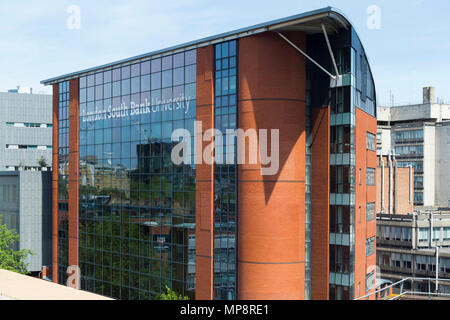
{"x": 156, "y": 81}
{"x": 190, "y": 57}
{"x": 178, "y": 60}
{"x": 83, "y": 83}
{"x": 166, "y": 79}
{"x": 126, "y": 72}
{"x": 190, "y": 74}
{"x": 145, "y": 67}
{"x": 116, "y": 88}
{"x": 135, "y": 85}
{"x": 156, "y": 65}
{"x": 91, "y": 80}
{"x": 136, "y": 70}
{"x": 178, "y": 76}
{"x": 167, "y": 63}
{"x": 145, "y": 83}
{"x": 98, "y": 78}
{"x": 107, "y": 90}
{"x": 107, "y": 76}
{"x": 116, "y": 74}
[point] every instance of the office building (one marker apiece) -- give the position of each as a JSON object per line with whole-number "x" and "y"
{"x": 26, "y": 130}
{"x": 135, "y": 221}
{"x": 419, "y": 136}
{"x": 25, "y": 206}
{"x": 406, "y": 238}
{"x": 411, "y": 245}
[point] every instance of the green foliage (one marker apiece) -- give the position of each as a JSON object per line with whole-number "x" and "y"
{"x": 42, "y": 162}
{"x": 10, "y": 259}
{"x": 172, "y": 295}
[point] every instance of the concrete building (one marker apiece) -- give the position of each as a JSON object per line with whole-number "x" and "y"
{"x": 211, "y": 230}
{"x": 25, "y": 206}
{"x": 408, "y": 245}
{"x": 395, "y": 187}
{"x": 419, "y": 136}
{"x": 25, "y": 130}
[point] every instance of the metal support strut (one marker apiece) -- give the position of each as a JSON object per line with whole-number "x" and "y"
{"x": 311, "y": 59}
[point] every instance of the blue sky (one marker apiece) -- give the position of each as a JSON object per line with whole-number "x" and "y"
{"x": 410, "y": 50}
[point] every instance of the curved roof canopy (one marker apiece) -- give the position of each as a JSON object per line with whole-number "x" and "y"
{"x": 308, "y": 22}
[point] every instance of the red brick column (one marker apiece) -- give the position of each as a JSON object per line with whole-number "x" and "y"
{"x": 55, "y": 183}
{"x": 320, "y": 203}
{"x": 204, "y": 272}
{"x": 271, "y": 209}
{"x": 73, "y": 170}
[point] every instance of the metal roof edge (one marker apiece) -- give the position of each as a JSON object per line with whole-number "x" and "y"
{"x": 238, "y": 33}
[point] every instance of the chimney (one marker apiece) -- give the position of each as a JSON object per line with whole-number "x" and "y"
{"x": 428, "y": 95}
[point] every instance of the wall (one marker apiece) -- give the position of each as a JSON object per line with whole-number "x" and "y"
{"x": 30, "y": 206}
{"x": 25, "y": 108}
{"x": 363, "y": 194}
{"x": 429, "y": 165}
{"x": 271, "y": 208}
{"x": 443, "y": 165}
{"x": 35, "y": 217}
{"x": 403, "y": 202}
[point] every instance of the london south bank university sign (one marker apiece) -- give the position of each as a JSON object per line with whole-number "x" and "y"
{"x": 135, "y": 109}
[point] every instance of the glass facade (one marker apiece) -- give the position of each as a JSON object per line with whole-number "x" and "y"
{"x": 225, "y": 175}
{"x": 136, "y": 207}
{"x": 308, "y": 168}
{"x": 63, "y": 181}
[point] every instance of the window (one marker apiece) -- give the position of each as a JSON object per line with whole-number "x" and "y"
{"x": 370, "y": 144}
{"x": 340, "y": 100}
{"x": 418, "y": 197}
{"x": 406, "y": 261}
{"x": 406, "y": 234}
{"x": 370, "y": 246}
{"x": 370, "y": 175}
{"x": 340, "y": 219}
{"x": 340, "y": 179}
{"x": 370, "y": 211}
{"x": 340, "y": 139}
{"x": 417, "y": 165}
{"x": 370, "y": 281}
{"x": 423, "y": 234}
{"x": 409, "y": 135}
{"x": 409, "y": 150}
{"x": 446, "y": 234}
{"x": 396, "y": 260}
{"x": 436, "y": 234}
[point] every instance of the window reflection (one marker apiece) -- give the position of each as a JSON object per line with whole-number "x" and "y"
{"x": 137, "y": 209}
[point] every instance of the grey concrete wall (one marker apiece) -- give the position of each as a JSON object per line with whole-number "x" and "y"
{"x": 24, "y": 108}
{"x": 443, "y": 165}
{"x": 30, "y": 206}
{"x": 35, "y": 217}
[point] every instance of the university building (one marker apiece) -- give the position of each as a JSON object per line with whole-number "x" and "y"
{"x": 136, "y": 222}
{"x": 418, "y": 135}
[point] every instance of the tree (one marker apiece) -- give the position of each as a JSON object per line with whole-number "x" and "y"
{"x": 172, "y": 295}
{"x": 42, "y": 162}
{"x": 9, "y": 258}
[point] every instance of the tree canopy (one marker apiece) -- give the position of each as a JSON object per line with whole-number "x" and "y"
{"x": 11, "y": 259}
